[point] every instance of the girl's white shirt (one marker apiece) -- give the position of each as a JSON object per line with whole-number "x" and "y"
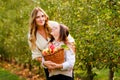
{"x": 68, "y": 64}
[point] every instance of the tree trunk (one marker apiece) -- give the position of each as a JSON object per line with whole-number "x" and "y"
{"x": 111, "y": 73}
{"x": 89, "y": 72}
{"x": 30, "y": 65}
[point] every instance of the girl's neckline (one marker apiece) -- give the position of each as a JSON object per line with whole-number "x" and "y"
{"x": 57, "y": 43}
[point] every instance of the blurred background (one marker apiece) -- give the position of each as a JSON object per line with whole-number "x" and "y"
{"x": 94, "y": 24}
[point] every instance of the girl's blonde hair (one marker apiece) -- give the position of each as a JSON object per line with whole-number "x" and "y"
{"x": 33, "y": 26}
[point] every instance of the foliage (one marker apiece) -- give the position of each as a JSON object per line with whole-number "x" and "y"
{"x": 94, "y": 25}
{"x": 5, "y": 75}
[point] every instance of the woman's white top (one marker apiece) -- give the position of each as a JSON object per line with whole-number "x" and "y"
{"x": 42, "y": 43}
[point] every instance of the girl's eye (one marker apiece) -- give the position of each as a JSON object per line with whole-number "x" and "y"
{"x": 54, "y": 27}
{"x": 43, "y": 16}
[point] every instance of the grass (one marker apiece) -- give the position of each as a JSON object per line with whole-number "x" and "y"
{"x": 104, "y": 73}
{"x": 101, "y": 74}
{"x": 117, "y": 75}
{"x": 6, "y": 75}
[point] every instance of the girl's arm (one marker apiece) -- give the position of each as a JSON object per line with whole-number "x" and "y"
{"x": 69, "y": 61}
{"x": 71, "y": 42}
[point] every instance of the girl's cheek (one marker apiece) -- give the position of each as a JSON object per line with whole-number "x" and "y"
{"x": 52, "y": 33}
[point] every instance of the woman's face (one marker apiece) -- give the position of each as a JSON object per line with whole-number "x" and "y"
{"x": 55, "y": 31}
{"x": 40, "y": 18}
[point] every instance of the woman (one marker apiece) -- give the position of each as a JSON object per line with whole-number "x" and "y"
{"x": 39, "y": 35}
{"x": 64, "y": 70}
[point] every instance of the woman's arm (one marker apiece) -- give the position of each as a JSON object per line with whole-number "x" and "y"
{"x": 36, "y": 54}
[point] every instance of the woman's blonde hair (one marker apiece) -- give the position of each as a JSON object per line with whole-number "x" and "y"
{"x": 33, "y": 26}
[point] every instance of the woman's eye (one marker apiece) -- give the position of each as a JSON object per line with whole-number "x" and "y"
{"x": 37, "y": 16}
{"x": 40, "y": 16}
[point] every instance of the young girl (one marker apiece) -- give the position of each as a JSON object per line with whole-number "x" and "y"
{"x": 62, "y": 71}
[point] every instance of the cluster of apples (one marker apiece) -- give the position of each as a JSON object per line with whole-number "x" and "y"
{"x": 50, "y": 50}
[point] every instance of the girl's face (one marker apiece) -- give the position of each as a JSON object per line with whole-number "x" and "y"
{"x": 55, "y": 31}
{"x": 40, "y": 19}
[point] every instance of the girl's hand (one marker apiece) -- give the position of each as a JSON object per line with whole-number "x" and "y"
{"x": 58, "y": 66}
{"x": 49, "y": 64}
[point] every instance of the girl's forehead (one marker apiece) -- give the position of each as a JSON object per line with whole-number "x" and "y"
{"x": 53, "y": 24}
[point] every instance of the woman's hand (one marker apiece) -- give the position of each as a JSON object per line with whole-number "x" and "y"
{"x": 39, "y": 59}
